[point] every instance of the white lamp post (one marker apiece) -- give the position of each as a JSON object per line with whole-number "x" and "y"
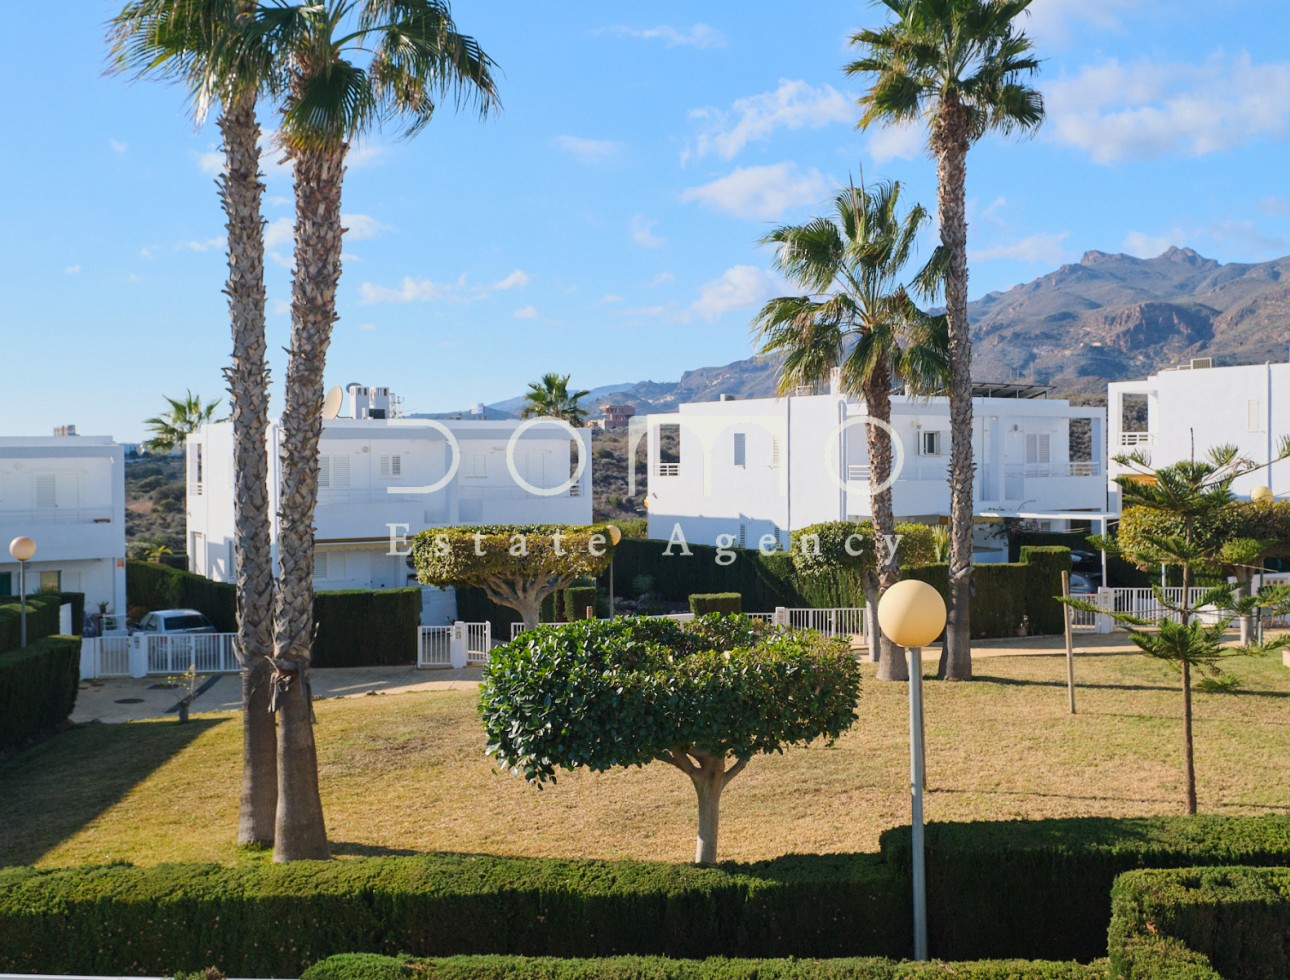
{"x": 912, "y": 615}
{"x": 615, "y": 535}
{"x": 23, "y": 550}
{"x": 1261, "y": 494}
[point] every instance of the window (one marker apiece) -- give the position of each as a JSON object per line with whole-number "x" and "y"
{"x": 774, "y": 453}
{"x": 1253, "y": 417}
{"x": 51, "y": 581}
{"x": 929, "y": 443}
{"x": 741, "y": 450}
{"x": 46, "y": 491}
{"x": 6, "y": 583}
{"x": 743, "y": 535}
{"x": 1037, "y": 448}
{"x": 474, "y": 466}
{"x": 333, "y": 472}
{"x": 329, "y": 565}
{"x": 391, "y": 466}
{"x": 669, "y": 450}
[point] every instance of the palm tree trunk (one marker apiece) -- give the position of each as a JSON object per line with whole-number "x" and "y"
{"x": 248, "y": 379}
{"x": 877, "y": 398}
{"x": 300, "y": 832}
{"x": 950, "y": 143}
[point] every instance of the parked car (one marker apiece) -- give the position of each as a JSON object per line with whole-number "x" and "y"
{"x": 1084, "y": 584}
{"x": 1086, "y": 561}
{"x": 172, "y": 621}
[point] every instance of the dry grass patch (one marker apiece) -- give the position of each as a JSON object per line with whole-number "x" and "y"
{"x": 407, "y": 773}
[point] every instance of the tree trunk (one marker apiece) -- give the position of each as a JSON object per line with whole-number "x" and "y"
{"x": 950, "y": 143}
{"x": 708, "y": 781}
{"x": 248, "y": 378}
{"x": 300, "y": 832}
{"x": 877, "y": 398}
{"x": 1189, "y": 761}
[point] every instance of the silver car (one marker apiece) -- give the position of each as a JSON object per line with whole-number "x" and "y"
{"x": 173, "y": 621}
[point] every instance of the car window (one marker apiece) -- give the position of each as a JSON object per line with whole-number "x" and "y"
{"x": 175, "y": 623}
{"x": 150, "y": 623}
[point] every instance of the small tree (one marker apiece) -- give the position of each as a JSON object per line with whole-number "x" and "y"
{"x": 517, "y": 565}
{"x": 1186, "y": 501}
{"x": 171, "y": 428}
{"x": 704, "y": 697}
{"x": 551, "y": 398}
{"x": 849, "y": 549}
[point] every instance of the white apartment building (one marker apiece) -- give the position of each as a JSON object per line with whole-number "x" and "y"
{"x": 67, "y": 493}
{"x": 381, "y": 476}
{"x": 1187, "y": 410}
{"x": 771, "y": 466}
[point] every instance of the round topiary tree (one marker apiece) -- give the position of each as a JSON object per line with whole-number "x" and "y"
{"x": 704, "y": 697}
{"x": 517, "y": 565}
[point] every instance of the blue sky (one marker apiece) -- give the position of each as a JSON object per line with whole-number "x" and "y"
{"x": 606, "y": 222}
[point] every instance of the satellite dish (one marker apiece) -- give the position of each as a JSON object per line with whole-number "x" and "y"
{"x": 332, "y": 403}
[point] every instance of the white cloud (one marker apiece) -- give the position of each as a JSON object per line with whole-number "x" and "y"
{"x": 367, "y": 327}
{"x": 1147, "y": 246}
{"x": 611, "y": 298}
{"x": 412, "y": 290}
{"x": 740, "y": 286}
{"x": 992, "y": 210}
{"x": 763, "y": 193}
{"x": 281, "y": 307}
{"x": 1143, "y": 111}
{"x": 279, "y": 232}
{"x": 641, "y": 229}
{"x": 359, "y": 227}
{"x": 528, "y": 312}
{"x": 205, "y": 245}
{"x": 1045, "y": 248}
{"x": 148, "y": 252}
{"x": 662, "y": 279}
{"x": 1275, "y": 205}
{"x": 698, "y": 36}
{"x": 72, "y": 270}
{"x": 793, "y": 105}
{"x": 587, "y": 150}
{"x": 118, "y": 146}
{"x": 897, "y": 141}
{"x": 275, "y": 166}
{"x": 1053, "y": 22}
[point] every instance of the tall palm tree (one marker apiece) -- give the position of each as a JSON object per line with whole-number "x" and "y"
{"x": 171, "y": 429}
{"x": 858, "y": 315}
{"x": 189, "y": 40}
{"x": 551, "y": 398}
{"x": 958, "y": 67}
{"x": 351, "y": 65}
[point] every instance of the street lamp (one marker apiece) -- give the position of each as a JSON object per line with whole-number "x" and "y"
{"x": 1261, "y": 495}
{"x": 615, "y": 535}
{"x": 912, "y": 615}
{"x": 23, "y": 550}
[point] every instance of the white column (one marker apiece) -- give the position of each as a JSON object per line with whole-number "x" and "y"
{"x": 139, "y": 655}
{"x": 457, "y": 646}
{"x": 89, "y": 661}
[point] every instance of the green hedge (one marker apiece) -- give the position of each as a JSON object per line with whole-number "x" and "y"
{"x": 366, "y": 627}
{"x": 764, "y": 581}
{"x": 1235, "y": 920}
{"x": 366, "y": 966}
{"x": 38, "y": 686}
{"x": 156, "y": 586}
{"x": 998, "y": 604}
{"x": 716, "y": 602}
{"x": 1045, "y": 564}
{"x": 42, "y": 619}
{"x": 1043, "y": 887}
{"x": 473, "y": 606}
{"x": 576, "y": 599}
{"x": 276, "y": 919}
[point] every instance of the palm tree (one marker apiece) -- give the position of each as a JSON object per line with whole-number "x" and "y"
{"x": 858, "y": 315}
{"x": 190, "y": 40}
{"x": 171, "y": 429}
{"x": 550, "y": 398}
{"x": 350, "y": 65}
{"x": 956, "y": 65}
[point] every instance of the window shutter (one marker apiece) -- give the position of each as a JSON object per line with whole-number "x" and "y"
{"x": 46, "y": 491}
{"x": 741, "y": 449}
{"x": 1253, "y": 420}
{"x": 320, "y": 565}
{"x": 324, "y": 472}
{"x": 774, "y": 453}
{"x": 396, "y": 466}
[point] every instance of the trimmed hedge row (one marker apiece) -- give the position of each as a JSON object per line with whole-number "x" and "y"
{"x": 366, "y": 966}
{"x": 77, "y": 601}
{"x": 155, "y": 586}
{"x": 1230, "y": 922}
{"x": 1044, "y": 567}
{"x": 1043, "y": 887}
{"x": 274, "y": 920}
{"x": 366, "y": 627}
{"x": 42, "y": 619}
{"x": 38, "y": 686}
{"x": 716, "y": 602}
{"x": 575, "y": 600}
{"x": 999, "y": 593}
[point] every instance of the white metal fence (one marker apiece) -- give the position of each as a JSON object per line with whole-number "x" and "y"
{"x": 434, "y": 646}
{"x": 148, "y": 654}
{"x": 843, "y": 621}
{"x": 459, "y": 645}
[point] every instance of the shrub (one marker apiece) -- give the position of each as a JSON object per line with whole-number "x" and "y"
{"x": 716, "y": 602}
{"x": 576, "y": 600}
{"x": 1235, "y": 919}
{"x": 365, "y": 966}
{"x": 366, "y": 627}
{"x": 160, "y": 587}
{"x": 42, "y": 619}
{"x": 38, "y": 686}
{"x": 1044, "y": 567}
{"x": 275, "y": 919}
{"x": 1042, "y": 887}
{"x": 998, "y": 604}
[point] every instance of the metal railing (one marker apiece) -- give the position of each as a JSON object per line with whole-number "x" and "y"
{"x": 479, "y": 640}
{"x": 206, "y": 653}
{"x": 59, "y": 515}
{"x": 843, "y": 621}
{"x": 434, "y": 646}
{"x": 458, "y": 645}
{"x": 1137, "y": 438}
{"x": 1049, "y": 470}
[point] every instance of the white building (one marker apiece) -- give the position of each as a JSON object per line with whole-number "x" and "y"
{"x": 1188, "y": 410}
{"x": 67, "y": 493}
{"x": 380, "y": 476}
{"x": 770, "y": 466}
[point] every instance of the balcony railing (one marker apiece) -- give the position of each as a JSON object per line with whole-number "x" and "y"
{"x": 669, "y": 469}
{"x": 58, "y": 515}
{"x": 1041, "y": 471}
{"x": 1134, "y": 439}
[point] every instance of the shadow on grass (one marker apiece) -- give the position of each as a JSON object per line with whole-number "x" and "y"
{"x": 1084, "y": 685}
{"x": 344, "y": 848}
{"x": 56, "y": 788}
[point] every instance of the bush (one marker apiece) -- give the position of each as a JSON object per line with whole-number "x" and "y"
{"x": 1236, "y": 920}
{"x": 38, "y": 686}
{"x": 998, "y": 604}
{"x": 276, "y": 919}
{"x": 366, "y": 627}
{"x": 365, "y": 966}
{"x": 1044, "y": 567}
{"x": 576, "y": 599}
{"x": 160, "y": 587}
{"x": 716, "y": 602}
{"x": 1043, "y": 887}
{"x": 42, "y": 619}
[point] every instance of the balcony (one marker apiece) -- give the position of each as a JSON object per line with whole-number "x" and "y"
{"x": 67, "y": 533}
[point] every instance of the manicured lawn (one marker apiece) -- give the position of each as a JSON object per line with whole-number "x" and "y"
{"x": 407, "y": 773}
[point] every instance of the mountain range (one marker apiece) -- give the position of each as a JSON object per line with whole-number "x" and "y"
{"x": 1109, "y": 317}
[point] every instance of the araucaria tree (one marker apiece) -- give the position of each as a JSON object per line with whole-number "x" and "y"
{"x": 704, "y": 697}
{"x": 195, "y": 42}
{"x": 956, "y": 66}
{"x": 517, "y": 565}
{"x": 1170, "y": 518}
{"x": 857, "y": 316}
